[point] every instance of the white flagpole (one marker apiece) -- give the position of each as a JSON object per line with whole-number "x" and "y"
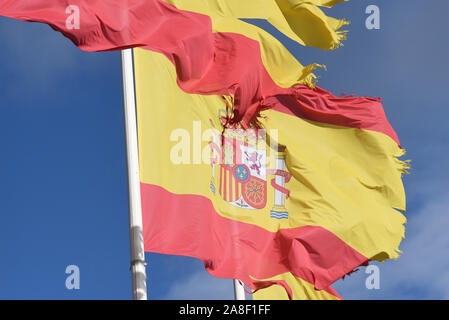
{"x": 138, "y": 273}
{"x": 239, "y": 291}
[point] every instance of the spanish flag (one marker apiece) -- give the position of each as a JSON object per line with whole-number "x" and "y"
{"x": 301, "y": 200}
{"x": 244, "y": 163}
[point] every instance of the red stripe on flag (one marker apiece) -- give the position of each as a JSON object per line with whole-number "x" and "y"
{"x": 206, "y": 62}
{"x": 322, "y": 106}
{"x": 188, "y": 225}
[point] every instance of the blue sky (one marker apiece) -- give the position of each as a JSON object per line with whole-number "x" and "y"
{"x": 63, "y": 192}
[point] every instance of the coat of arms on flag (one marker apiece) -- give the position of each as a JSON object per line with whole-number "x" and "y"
{"x": 240, "y": 170}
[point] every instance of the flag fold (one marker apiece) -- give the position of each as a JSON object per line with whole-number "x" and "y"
{"x": 223, "y": 56}
{"x": 245, "y": 163}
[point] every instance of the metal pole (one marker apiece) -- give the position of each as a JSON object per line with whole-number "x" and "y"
{"x": 239, "y": 291}
{"x": 138, "y": 273}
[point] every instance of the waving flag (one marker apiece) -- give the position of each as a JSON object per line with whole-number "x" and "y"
{"x": 315, "y": 196}
{"x": 307, "y": 199}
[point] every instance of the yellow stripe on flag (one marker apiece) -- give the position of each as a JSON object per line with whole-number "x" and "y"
{"x": 302, "y": 21}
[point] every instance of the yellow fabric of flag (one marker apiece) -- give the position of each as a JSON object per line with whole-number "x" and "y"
{"x": 302, "y": 21}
